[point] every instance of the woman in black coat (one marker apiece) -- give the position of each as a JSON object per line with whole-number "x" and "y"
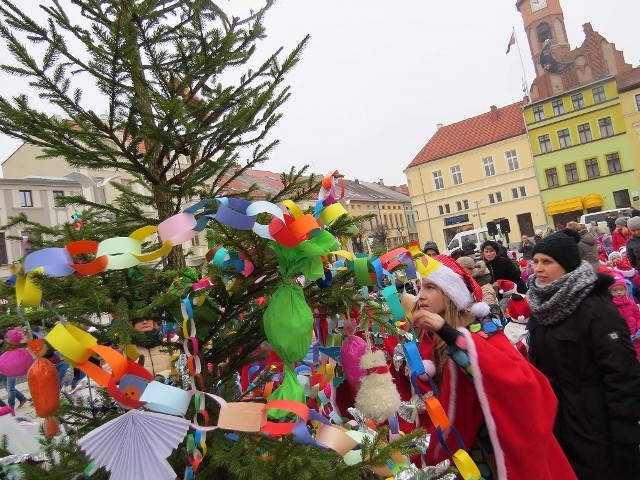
{"x": 501, "y": 268}
{"x": 580, "y": 342}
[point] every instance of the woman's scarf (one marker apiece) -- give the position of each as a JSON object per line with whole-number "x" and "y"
{"x": 552, "y": 303}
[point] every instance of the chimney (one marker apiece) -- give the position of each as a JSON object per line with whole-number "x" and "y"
{"x": 494, "y": 113}
{"x": 439, "y": 126}
{"x": 357, "y": 182}
{"x": 381, "y": 182}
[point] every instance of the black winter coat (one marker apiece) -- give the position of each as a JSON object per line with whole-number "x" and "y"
{"x": 633, "y": 251}
{"x": 502, "y": 268}
{"x": 591, "y": 364}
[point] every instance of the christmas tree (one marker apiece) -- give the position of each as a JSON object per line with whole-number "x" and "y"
{"x": 163, "y": 69}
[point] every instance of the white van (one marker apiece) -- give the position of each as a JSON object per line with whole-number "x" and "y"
{"x": 476, "y": 235}
{"x": 601, "y": 217}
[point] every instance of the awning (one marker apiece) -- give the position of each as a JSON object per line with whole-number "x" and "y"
{"x": 564, "y": 206}
{"x": 593, "y": 200}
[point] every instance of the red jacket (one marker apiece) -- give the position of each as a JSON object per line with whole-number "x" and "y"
{"x": 630, "y": 312}
{"x": 619, "y": 238}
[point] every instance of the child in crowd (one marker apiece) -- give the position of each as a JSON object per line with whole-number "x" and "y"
{"x": 516, "y": 330}
{"x": 506, "y": 288}
{"x": 621, "y": 234}
{"x": 475, "y": 366}
{"x": 628, "y": 309}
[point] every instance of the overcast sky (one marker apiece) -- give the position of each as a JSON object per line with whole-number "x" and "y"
{"x": 378, "y": 75}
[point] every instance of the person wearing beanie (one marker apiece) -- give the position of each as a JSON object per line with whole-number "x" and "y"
{"x": 587, "y": 245}
{"x": 431, "y": 248}
{"x": 620, "y": 234}
{"x": 460, "y": 340}
{"x": 633, "y": 243}
{"x": 501, "y": 268}
{"x": 628, "y": 309}
{"x": 579, "y": 340}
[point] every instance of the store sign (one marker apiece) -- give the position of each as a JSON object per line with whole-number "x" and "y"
{"x": 457, "y": 219}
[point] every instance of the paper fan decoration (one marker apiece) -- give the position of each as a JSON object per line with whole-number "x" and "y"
{"x": 136, "y": 445}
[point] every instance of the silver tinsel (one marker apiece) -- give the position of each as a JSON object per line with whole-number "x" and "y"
{"x": 361, "y": 421}
{"x": 398, "y": 356}
{"x": 410, "y": 409}
{"x": 436, "y": 472}
{"x": 183, "y": 370}
{"x": 28, "y": 457}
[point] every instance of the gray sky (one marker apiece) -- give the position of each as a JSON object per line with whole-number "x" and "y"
{"x": 377, "y": 76}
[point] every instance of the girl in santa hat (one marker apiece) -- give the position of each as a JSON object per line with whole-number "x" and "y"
{"x": 476, "y": 369}
{"x": 628, "y": 309}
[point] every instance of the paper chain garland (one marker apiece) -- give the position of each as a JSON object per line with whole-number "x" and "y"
{"x": 288, "y": 230}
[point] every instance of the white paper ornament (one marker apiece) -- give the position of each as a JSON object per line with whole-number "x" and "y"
{"x": 136, "y": 445}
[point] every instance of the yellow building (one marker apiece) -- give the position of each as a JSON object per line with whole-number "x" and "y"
{"x": 629, "y": 91}
{"x": 474, "y": 171}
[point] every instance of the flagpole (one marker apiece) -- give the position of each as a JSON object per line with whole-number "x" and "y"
{"x": 524, "y": 75}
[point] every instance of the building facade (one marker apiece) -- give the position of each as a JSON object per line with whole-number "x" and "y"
{"x": 475, "y": 171}
{"x": 583, "y": 155}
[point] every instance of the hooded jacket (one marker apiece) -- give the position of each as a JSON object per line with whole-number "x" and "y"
{"x": 594, "y": 372}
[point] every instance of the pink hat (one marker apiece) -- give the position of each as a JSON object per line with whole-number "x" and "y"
{"x": 518, "y": 309}
{"x": 620, "y": 282}
{"x": 506, "y": 287}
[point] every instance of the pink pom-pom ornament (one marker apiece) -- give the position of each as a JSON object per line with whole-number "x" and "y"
{"x": 15, "y": 363}
{"x": 351, "y": 352}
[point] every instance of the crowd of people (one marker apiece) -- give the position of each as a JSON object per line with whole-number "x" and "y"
{"x": 570, "y": 306}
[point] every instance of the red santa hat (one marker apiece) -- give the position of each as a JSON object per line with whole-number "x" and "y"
{"x": 518, "y": 308}
{"x": 624, "y": 267}
{"x": 454, "y": 281}
{"x": 507, "y": 287}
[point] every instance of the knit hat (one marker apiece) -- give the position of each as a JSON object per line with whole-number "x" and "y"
{"x": 518, "y": 309}
{"x": 613, "y": 255}
{"x": 562, "y": 247}
{"x": 624, "y": 267}
{"x": 633, "y": 223}
{"x": 619, "y": 282}
{"x": 507, "y": 287}
{"x": 455, "y": 282}
{"x": 491, "y": 244}
{"x": 467, "y": 263}
{"x": 622, "y": 221}
{"x": 430, "y": 245}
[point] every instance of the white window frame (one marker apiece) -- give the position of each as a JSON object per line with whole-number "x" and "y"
{"x": 438, "y": 181}
{"x": 489, "y": 168}
{"x": 512, "y": 160}
{"x": 456, "y": 175}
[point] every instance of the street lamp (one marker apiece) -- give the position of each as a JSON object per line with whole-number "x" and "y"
{"x": 477, "y": 203}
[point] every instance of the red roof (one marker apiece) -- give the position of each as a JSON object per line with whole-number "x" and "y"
{"x": 628, "y": 80}
{"x": 491, "y": 127}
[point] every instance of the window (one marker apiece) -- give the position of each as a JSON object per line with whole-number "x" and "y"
{"x": 512, "y": 160}
{"x": 56, "y": 197}
{"x": 571, "y": 169}
{"x": 584, "y": 132}
{"x": 558, "y": 107}
{"x": 606, "y": 127}
{"x": 538, "y": 113}
{"x": 638, "y": 102}
{"x": 437, "y": 180}
{"x": 621, "y": 198}
{"x": 545, "y": 143}
{"x": 593, "y": 170}
{"x": 518, "y": 192}
{"x": 489, "y": 170}
{"x": 495, "y": 197}
{"x": 578, "y": 101}
{"x": 442, "y": 209}
{"x": 613, "y": 163}
{"x": 465, "y": 204}
{"x": 552, "y": 177}
{"x": 456, "y": 175}
{"x": 446, "y": 208}
{"x": 599, "y": 94}
{"x": 26, "y": 200}
{"x": 544, "y": 32}
{"x": 564, "y": 138}
{"x": 459, "y": 205}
